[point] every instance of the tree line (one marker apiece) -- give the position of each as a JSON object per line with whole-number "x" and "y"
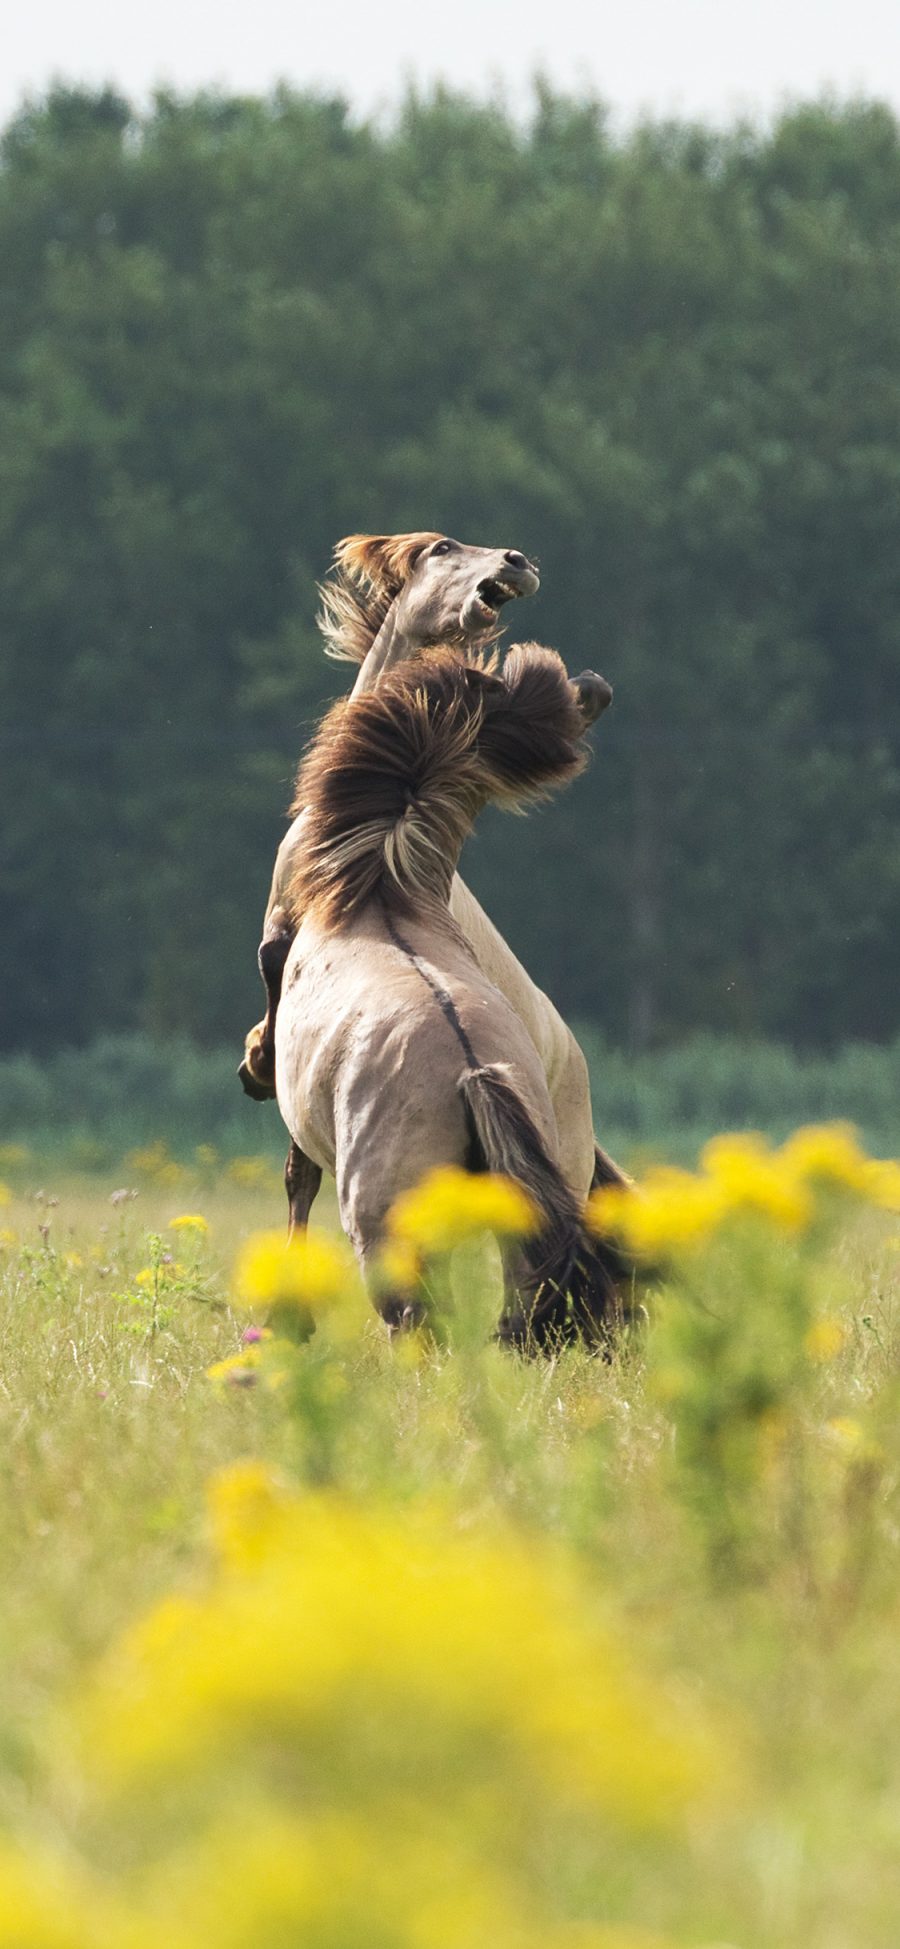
{"x": 666, "y": 364}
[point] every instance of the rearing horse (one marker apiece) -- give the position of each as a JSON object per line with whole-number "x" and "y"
{"x": 394, "y": 1051}
{"x": 392, "y": 597}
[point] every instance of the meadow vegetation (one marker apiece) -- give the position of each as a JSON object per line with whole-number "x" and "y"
{"x": 307, "y": 1636}
{"x": 86, "y": 1109}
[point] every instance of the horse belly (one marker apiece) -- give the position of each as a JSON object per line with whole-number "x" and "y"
{"x": 305, "y": 1060}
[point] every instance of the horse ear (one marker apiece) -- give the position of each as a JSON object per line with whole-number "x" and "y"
{"x": 385, "y": 561}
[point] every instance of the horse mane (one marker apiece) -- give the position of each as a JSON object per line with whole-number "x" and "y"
{"x": 368, "y": 571}
{"x": 397, "y": 776}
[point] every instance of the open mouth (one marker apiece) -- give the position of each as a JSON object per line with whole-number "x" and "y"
{"x": 490, "y": 596}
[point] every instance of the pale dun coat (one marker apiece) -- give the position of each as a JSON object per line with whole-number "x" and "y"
{"x": 394, "y": 1051}
{"x": 393, "y": 594}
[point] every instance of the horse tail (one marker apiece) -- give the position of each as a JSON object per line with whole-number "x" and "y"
{"x": 567, "y": 1285}
{"x": 397, "y": 776}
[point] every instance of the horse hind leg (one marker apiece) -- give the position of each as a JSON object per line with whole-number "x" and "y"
{"x": 302, "y": 1179}
{"x": 399, "y": 1304}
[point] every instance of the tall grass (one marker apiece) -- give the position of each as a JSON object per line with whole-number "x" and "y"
{"x": 425, "y": 1646}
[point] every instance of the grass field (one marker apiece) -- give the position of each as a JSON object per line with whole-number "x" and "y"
{"x": 465, "y": 1649}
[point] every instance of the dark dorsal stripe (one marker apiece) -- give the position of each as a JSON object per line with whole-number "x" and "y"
{"x": 444, "y": 1000}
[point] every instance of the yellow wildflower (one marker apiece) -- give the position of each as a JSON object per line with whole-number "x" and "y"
{"x": 154, "y": 1161}
{"x": 671, "y": 1211}
{"x": 74, "y": 1261}
{"x": 824, "y": 1340}
{"x": 401, "y": 1622}
{"x": 450, "y": 1206}
{"x": 246, "y": 1504}
{"x": 189, "y": 1221}
{"x": 883, "y": 1183}
{"x": 674, "y": 1211}
{"x": 604, "y": 1935}
{"x": 322, "y": 1878}
{"x": 313, "y": 1271}
{"x": 828, "y": 1152}
{"x": 160, "y": 1275}
{"x": 752, "y": 1179}
{"x": 399, "y": 1265}
{"x": 252, "y": 1173}
{"x": 851, "y": 1439}
{"x": 45, "y": 1903}
{"x": 236, "y": 1367}
{"x": 7, "y": 1237}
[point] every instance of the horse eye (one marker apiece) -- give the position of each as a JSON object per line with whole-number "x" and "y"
{"x": 441, "y": 548}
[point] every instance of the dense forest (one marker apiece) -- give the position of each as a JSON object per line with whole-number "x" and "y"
{"x": 666, "y": 364}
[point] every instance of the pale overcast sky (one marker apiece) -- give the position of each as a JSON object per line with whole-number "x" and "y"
{"x": 696, "y": 57}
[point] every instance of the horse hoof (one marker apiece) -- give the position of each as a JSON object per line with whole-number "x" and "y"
{"x": 253, "y": 1085}
{"x": 594, "y": 695}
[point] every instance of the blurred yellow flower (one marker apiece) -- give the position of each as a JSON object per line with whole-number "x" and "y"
{"x": 399, "y": 1621}
{"x": 824, "y": 1340}
{"x": 159, "y": 1275}
{"x": 313, "y": 1271}
{"x": 154, "y": 1161}
{"x": 884, "y": 1183}
{"x": 320, "y": 1879}
{"x": 451, "y": 1205}
{"x": 246, "y": 1503}
{"x": 670, "y": 1211}
{"x": 7, "y": 1237}
{"x": 673, "y": 1211}
{"x": 851, "y": 1439}
{"x": 236, "y": 1367}
{"x": 828, "y": 1152}
{"x": 399, "y": 1265}
{"x": 189, "y": 1221}
{"x": 751, "y": 1179}
{"x": 253, "y": 1173}
{"x": 46, "y": 1903}
{"x": 607, "y": 1935}
{"x": 74, "y": 1261}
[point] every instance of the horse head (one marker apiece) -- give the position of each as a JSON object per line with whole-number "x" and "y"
{"x": 433, "y": 589}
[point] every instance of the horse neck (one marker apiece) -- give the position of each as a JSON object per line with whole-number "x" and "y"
{"x": 390, "y": 647}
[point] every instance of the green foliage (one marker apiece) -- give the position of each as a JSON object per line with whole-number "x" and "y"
{"x": 233, "y": 330}
{"x": 670, "y": 1101}
{"x": 91, "y": 1106}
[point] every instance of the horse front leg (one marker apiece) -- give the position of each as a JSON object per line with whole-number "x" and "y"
{"x": 302, "y": 1179}
{"x": 257, "y": 1071}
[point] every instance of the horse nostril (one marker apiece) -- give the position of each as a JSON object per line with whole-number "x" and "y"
{"x": 514, "y": 559}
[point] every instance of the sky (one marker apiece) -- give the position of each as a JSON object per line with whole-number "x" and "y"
{"x": 705, "y": 58}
